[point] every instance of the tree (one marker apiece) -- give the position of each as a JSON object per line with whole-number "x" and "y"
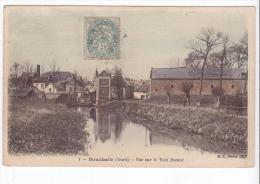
{"x": 240, "y": 55}
{"x": 223, "y": 55}
{"x": 239, "y": 51}
{"x": 15, "y": 70}
{"x": 54, "y": 69}
{"x": 193, "y": 60}
{"x": 244, "y": 43}
{"x": 205, "y": 42}
{"x": 75, "y": 80}
{"x": 53, "y": 66}
{"x": 28, "y": 67}
{"x": 118, "y": 83}
{"x": 167, "y": 89}
{"x": 218, "y": 92}
{"x": 186, "y": 88}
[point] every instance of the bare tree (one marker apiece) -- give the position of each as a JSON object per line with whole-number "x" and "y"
{"x": 244, "y": 43}
{"x": 239, "y": 51}
{"x": 206, "y": 41}
{"x": 223, "y": 55}
{"x": 28, "y": 67}
{"x": 193, "y": 60}
{"x": 54, "y": 69}
{"x": 186, "y": 88}
{"x": 15, "y": 70}
{"x": 53, "y": 66}
{"x": 240, "y": 55}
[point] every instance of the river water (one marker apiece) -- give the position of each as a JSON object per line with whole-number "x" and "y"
{"x": 110, "y": 132}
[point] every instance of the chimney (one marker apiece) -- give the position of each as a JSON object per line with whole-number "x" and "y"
{"x": 38, "y": 71}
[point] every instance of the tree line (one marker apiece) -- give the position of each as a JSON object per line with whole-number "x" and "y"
{"x": 214, "y": 49}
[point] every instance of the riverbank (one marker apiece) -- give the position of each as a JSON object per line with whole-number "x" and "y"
{"x": 44, "y": 128}
{"x": 215, "y": 126}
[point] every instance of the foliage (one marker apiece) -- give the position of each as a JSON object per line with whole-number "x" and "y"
{"x": 118, "y": 83}
{"x": 186, "y": 87}
{"x": 34, "y": 127}
{"x": 67, "y": 99}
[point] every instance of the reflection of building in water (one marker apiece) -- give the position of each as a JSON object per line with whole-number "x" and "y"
{"x": 107, "y": 125}
{"x": 102, "y": 125}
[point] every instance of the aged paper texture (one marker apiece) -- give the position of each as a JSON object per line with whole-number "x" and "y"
{"x": 129, "y": 86}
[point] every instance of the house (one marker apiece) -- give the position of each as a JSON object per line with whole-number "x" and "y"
{"x": 142, "y": 91}
{"x": 89, "y": 88}
{"x": 27, "y": 75}
{"x": 51, "y": 88}
{"x": 163, "y": 80}
{"x": 57, "y": 76}
{"x": 40, "y": 84}
{"x": 102, "y": 84}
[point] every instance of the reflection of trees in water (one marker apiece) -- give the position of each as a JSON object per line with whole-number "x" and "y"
{"x": 117, "y": 122}
{"x": 191, "y": 141}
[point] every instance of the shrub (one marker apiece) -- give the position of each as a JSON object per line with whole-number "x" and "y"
{"x": 186, "y": 88}
{"x": 68, "y": 99}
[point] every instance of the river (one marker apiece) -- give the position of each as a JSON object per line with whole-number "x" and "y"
{"x": 110, "y": 132}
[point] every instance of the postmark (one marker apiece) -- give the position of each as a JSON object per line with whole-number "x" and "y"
{"x": 102, "y": 38}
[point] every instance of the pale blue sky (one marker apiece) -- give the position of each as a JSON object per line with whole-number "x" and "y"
{"x": 156, "y": 37}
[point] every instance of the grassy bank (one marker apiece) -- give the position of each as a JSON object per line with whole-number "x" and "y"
{"x": 44, "y": 128}
{"x": 215, "y": 126}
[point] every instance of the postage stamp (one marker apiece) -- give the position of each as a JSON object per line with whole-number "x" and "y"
{"x": 182, "y": 94}
{"x": 102, "y": 38}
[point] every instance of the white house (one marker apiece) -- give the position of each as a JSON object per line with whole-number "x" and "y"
{"x": 142, "y": 91}
{"x": 39, "y": 85}
{"x": 50, "y": 88}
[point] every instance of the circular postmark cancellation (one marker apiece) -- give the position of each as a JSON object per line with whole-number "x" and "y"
{"x": 102, "y": 38}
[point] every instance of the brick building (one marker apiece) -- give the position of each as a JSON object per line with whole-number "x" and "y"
{"x": 171, "y": 80}
{"x": 102, "y": 84}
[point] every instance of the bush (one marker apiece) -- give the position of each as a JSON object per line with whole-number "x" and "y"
{"x": 68, "y": 99}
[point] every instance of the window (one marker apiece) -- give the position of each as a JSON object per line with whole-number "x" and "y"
{"x": 42, "y": 86}
{"x": 156, "y": 89}
{"x": 36, "y": 85}
{"x": 212, "y": 86}
{"x": 232, "y": 86}
{"x": 49, "y": 89}
{"x": 70, "y": 89}
{"x": 172, "y": 86}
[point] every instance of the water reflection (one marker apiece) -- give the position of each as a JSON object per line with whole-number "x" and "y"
{"x": 110, "y": 132}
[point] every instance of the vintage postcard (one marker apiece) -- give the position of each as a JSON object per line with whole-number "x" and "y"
{"x": 126, "y": 86}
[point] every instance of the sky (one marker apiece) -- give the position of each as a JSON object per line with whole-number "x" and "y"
{"x": 156, "y": 36}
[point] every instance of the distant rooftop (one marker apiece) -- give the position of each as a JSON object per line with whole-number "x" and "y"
{"x": 57, "y": 75}
{"x": 188, "y": 73}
